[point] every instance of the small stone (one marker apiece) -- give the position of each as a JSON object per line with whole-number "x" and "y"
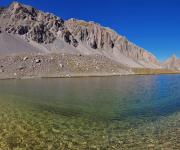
{"x": 25, "y": 58}
{"x": 97, "y": 67}
{"x": 50, "y": 147}
{"x": 68, "y": 75}
{"x": 1, "y": 70}
{"x": 55, "y": 130}
{"x": 70, "y": 145}
{"x": 151, "y": 145}
{"x": 120, "y": 142}
{"x": 37, "y": 61}
{"x": 61, "y": 65}
{"x": 21, "y": 68}
{"x": 94, "y": 147}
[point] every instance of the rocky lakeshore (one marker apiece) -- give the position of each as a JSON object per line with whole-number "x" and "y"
{"x": 58, "y": 65}
{"x": 63, "y": 65}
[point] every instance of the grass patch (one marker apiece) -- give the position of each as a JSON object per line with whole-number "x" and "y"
{"x": 145, "y": 71}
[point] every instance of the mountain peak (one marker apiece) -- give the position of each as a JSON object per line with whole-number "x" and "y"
{"x": 15, "y": 5}
{"x": 34, "y": 25}
{"x": 174, "y": 56}
{"x": 17, "y": 8}
{"x": 172, "y": 62}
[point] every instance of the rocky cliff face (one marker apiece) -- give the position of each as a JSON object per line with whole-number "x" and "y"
{"x": 172, "y": 63}
{"x": 98, "y": 37}
{"x": 46, "y": 29}
{"x": 33, "y": 24}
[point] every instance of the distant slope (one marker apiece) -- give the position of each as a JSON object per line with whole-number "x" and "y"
{"x": 30, "y": 30}
{"x": 11, "y": 44}
{"x": 172, "y": 63}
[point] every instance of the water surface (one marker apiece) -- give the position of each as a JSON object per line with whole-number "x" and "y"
{"x": 129, "y": 112}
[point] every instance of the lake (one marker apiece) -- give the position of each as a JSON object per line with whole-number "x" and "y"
{"x": 103, "y": 113}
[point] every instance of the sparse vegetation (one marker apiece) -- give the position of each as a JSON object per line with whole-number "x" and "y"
{"x": 148, "y": 71}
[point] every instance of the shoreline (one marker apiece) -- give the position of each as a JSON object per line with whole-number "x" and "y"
{"x": 84, "y": 76}
{"x": 25, "y": 66}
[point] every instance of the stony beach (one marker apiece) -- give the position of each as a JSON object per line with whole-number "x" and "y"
{"x": 58, "y": 65}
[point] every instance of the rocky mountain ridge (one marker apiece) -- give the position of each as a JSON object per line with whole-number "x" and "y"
{"x": 98, "y": 37}
{"x": 34, "y": 24}
{"x": 46, "y": 32}
{"x": 172, "y": 63}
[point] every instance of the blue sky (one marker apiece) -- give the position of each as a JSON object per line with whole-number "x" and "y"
{"x": 151, "y": 24}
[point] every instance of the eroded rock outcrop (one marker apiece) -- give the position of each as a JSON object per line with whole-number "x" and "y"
{"x": 92, "y": 34}
{"x": 34, "y": 24}
{"x": 98, "y": 37}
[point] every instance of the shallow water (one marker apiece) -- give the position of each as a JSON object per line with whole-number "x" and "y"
{"x": 129, "y": 112}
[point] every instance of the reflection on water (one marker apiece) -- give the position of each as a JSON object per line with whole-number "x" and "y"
{"x": 130, "y": 112}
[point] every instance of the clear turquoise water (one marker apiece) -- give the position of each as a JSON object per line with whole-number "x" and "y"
{"x": 129, "y": 112}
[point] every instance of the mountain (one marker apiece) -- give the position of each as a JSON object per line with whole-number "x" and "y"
{"x": 24, "y": 29}
{"x": 93, "y": 36}
{"x": 172, "y": 63}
